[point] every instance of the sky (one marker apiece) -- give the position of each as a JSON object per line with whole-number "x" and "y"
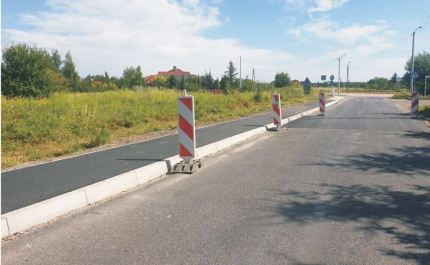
{"x": 301, "y": 37}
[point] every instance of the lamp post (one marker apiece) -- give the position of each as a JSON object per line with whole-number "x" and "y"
{"x": 347, "y": 75}
{"x": 413, "y": 59}
{"x": 338, "y": 74}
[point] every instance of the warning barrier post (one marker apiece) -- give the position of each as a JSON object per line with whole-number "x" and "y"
{"x": 277, "y": 112}
{"x": 187, "y": 135}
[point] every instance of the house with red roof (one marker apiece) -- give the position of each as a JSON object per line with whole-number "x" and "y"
{"x": 176, "y": 72}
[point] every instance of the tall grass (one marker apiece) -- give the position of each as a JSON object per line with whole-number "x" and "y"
{"x": 64, "y": 123}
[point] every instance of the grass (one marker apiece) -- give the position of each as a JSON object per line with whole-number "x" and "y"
{"x": 407, "y": 95}
{"x": 425, "y": 111}
{"x": 366, "y": 90}
{"x": 64, "y": 123}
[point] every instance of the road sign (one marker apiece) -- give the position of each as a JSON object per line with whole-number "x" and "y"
{"x": 323, "y": 77}
{"x": 415, "y": 75}
{"x": 332, "y": 78}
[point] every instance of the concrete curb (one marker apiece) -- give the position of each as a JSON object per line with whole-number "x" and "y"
{"x": 47, "y": 210}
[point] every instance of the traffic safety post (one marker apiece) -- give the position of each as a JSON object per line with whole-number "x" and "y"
{"x": 276, "y": 107}
{"x": 414, "y": 104}
{"x": 322, "y": 104}
{"x": 187, "y": 135}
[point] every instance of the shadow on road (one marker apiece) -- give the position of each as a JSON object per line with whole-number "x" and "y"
{"x": 402, "y": 215}
{"x": 405, "y": 160}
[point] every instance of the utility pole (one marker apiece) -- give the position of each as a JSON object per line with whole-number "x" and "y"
{"x": 347, "y": 75}
{"x": 413, "y": 59}
{"x": 338, "y": 74}
{"x": 253, "y": 75}
{"x": 240, "y": 73}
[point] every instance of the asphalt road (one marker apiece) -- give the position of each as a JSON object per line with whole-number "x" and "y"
{"x": 349, "y": 188}
{"x": 30, "y": 185}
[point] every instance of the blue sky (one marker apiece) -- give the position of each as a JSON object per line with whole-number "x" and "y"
{"x": 301, "y": 37}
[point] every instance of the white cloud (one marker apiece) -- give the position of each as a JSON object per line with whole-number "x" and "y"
{"x": 326, "y": 5}
{"x": 366, "y": 39}
{"x": 111, "y": 35}
{"x": 315, "y": 6}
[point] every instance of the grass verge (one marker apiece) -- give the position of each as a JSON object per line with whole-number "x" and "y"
{"x": 425, "y": 111}
{"x": 64, "y": 123}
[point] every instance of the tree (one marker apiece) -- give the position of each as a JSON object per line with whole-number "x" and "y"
{"x": 171, "y": 81}
{"x": 106, "y": 79}
{"x": 207, "y": 81}
{"x": 69, "y": 71}
{"x": 56, "y": 58}
{"x": 282, "y": 79}
{"x": 231, "y": 73}
{"x": 379, "y": 83}
{"x": 159, "y": 81}
{"x": 28, "y": 71}
{"x": 223, "y": 83}
{"x": 248, "y": 84}
{"x": 182, "y": 83}
{"x": 216, "y": 84}
{"x": 132, "y": 77}
{"x": 421, "y": 67}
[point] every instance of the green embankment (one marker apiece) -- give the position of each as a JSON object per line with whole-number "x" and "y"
{"x": 64, "y": 123}
{"x": 425, "y": 111}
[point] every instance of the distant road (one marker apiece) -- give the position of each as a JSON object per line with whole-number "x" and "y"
{"x": 30, "y": 185}
{"x": 349, "y": 188}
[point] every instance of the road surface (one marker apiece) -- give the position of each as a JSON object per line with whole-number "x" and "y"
{"x": 30, "y": 185}
{"x": 349, "y": 188}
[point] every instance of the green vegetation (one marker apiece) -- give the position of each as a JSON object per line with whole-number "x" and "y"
{"x": 64, "y": 123}
{"x": 404, "y": 94}
{"x": 421, "y": 67}
{"x": 282, "y": 79}
{"x": 30, "y": 72}
{"x": 425, "y": 111}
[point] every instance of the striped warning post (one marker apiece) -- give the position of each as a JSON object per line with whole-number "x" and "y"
{"x": 187, "y": 130}
{"x": 414, "y": 103}
{"x": 322, "y": 103}
{"x": 276, "y": 107}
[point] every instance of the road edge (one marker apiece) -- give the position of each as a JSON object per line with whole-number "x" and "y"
{"x": 25, "y": 218}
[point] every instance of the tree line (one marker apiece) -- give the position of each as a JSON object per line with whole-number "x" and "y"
{"x": 30, "y": 71}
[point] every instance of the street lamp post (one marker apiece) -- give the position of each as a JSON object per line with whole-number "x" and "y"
{"x": 413, "y": 59}
{"x": 347, "y": 75}
{"x": 338, "y": 74}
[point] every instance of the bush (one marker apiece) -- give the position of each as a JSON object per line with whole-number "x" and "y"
{"x": 29, "y": 71}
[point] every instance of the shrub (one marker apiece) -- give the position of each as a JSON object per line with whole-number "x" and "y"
{"x": 29, "y": 71}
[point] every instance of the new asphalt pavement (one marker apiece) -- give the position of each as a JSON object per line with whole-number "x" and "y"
{"x": 26, "y": 186}
{"x": 352, "y": 187}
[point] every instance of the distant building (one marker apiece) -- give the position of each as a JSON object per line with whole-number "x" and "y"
{"x": 176, "y": 72}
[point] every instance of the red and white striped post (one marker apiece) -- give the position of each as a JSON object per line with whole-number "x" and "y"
{"x": 276, "y": 107}
{"x": 187, "y": 128}
{"x": 414, "y": 104}
{"x": 322, "y": 104}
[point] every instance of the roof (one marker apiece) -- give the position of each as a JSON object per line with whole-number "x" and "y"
{"x": 175, "y": 72}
